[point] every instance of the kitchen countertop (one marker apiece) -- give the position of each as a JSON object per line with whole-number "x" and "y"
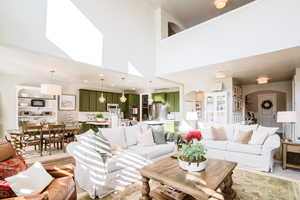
{"x": 98, "y": 123}
{"x": 154, "y": 122}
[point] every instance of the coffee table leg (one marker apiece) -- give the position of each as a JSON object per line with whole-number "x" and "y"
{"x": 145, "y": 189}
{"x": 228, "y": 192}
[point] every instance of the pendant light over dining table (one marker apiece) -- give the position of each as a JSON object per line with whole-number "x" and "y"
{"x": 51, "y": 88}
{"x": 101, "y": 98}
{"x": 123, "y": 99}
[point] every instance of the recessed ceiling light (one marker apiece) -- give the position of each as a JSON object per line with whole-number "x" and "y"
{"x": 101, "y": 75}
{"x": 263, "y": 79}
{"x": 220, "y": 3}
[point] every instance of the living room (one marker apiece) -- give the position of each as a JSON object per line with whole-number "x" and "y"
{"x": 125, "y": 100}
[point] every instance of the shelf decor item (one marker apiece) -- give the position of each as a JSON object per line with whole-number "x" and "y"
{"x": 192, "y": 153}
{"x": 67, "y": 102}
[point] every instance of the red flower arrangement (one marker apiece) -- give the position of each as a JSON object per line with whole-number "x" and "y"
{"x": 196, "y": 134}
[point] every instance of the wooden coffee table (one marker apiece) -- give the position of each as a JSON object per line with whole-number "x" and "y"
{"x": 212, "y": 183}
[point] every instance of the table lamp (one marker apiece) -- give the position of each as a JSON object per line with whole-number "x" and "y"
{"x": 287, "y": 117}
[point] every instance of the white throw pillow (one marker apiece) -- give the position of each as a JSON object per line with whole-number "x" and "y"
{"x": 32, "y": 181}
{"x": 260, "y": 135}
{"x": 131, "y": 133}
{"x": 115, "y": 136}
{"x": 146, "y": 138}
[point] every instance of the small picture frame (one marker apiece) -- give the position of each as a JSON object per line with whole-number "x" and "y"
{"x": 67, "y": 102}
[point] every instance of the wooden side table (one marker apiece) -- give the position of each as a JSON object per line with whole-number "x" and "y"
{"x": 286, "y": 148}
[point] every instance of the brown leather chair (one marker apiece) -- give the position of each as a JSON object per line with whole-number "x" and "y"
{"x": 61, "y": 188}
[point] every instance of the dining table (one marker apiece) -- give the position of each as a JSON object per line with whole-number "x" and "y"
{"x": 18, "y": 136}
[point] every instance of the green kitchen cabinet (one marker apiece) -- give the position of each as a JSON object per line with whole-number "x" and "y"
{"x": 109, "y": 97}
{"x": 84, "y": 101}
{"x": 170, "y": 101}
{"x": 130, "y": 100}
{"x": 93, "y": 101}
{"x": 115, "y": 98}
{"x": 159, "y": 97}
{"x": 101, "y": 107}
{"x": 137, "y": 100}
{"x": 133, "y": 100}
{"x": 177, "y": 102}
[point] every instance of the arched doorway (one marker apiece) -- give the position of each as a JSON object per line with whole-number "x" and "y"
{"x": 262, "y": 107}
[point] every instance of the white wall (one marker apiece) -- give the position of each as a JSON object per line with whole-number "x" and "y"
{"x": 123, "y": 30}
{"x": 256, "y": 28}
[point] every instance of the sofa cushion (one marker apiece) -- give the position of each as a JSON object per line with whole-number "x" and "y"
{"x": 206, "y": 130}
{"x": 5, "y": 190}
{"x": 241, "y": 127}
{"x": 12, "y": 167}
{"x": 132, "y": 133}
{"x": 218, "y": 133}
{"x": 244, "y": 148}
{"x": 115, "y": 136}
{"x": 146, "y": 138}
{"x": 215, "y": 144}
{"x": 261, "y": 134}
{"x": 153, "y": 152}
{"x": 243, "y": 137}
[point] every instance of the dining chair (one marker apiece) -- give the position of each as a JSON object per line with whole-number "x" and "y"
{"x": 56, "y": 136}
{"x": 71, "y": 131}
{"x": 32, "y": 136}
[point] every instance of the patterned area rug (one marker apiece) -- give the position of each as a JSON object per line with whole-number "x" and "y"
{"x": 247, "y": 184}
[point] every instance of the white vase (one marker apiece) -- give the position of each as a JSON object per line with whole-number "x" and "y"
{"x": 192, "y": 167}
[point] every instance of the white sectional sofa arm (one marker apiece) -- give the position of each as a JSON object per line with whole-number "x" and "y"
{"x": 272, "y": 142}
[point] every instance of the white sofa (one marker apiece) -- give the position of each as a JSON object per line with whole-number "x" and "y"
{"x": 252, "y": 156}
{"x": 99, "y": 178}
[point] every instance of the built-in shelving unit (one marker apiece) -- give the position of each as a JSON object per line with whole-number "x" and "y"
{"x": 216, "y": 107}
{"x": 35, "y": 115}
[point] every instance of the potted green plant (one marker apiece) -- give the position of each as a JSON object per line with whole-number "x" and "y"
{"x": 192, "y": 153}
{"x": 99, "y": 117}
